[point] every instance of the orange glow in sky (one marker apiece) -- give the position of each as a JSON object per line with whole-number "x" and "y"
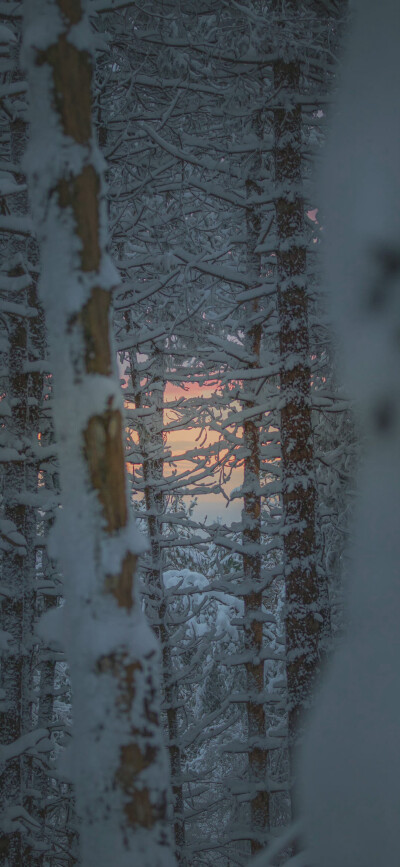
{"x": 182, "y": 440}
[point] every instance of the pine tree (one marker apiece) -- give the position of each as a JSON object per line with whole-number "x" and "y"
{"x": 117, "y": 758}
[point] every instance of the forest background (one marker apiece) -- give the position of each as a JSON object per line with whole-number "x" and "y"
{"x": 171, "y": 388}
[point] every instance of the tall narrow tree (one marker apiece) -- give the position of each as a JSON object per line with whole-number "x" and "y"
{"x": 304, "y": 617}
{"x": 118, "y": 763}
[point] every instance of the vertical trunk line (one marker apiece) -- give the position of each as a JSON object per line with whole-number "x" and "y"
{"x": 304, "y": 609}
{"x": 151, "y": 442}
{"x": 251, "y": 517}
{"x": 122, "y": 802}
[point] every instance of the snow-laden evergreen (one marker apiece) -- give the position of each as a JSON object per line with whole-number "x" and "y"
{"x": 194, "y": 274}
{"x": 116, "y": 761}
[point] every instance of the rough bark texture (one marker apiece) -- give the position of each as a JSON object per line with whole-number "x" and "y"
{"x": 251, "y": 517}
{"x": 151, "y": 443}
{"x": 117, "y": 758}
{"x": 303, "y": 604}
{"x": 251, "y": 520}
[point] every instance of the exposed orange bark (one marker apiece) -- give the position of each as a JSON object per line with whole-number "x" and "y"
{"x": 102, "y": 449}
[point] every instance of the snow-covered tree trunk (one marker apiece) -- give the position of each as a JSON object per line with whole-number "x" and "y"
{"x": 304, "y": 619}
{"x": 117, "y": 760}
{"x": 151, "y": 444}
{"x": 251, "y": 534}
{"x": 251, "y": 516}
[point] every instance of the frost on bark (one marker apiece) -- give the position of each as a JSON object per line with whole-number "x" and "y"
{"x": 304, "y": 607}
{"x": 251, "y": 517}
{"x": 252, "y": 537}
{"x": 117, "y": 760}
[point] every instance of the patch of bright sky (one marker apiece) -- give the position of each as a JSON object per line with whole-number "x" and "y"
{"x": 211, "y": 506}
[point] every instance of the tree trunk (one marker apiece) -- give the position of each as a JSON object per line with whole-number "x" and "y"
{"x": 304, "y": 605}
{"x": 151, "y": 443}
{"x": 251, "y": 520}
{"x": 117, "y": 760}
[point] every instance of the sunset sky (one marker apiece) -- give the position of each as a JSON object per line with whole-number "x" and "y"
{"x": 210, "y": 505}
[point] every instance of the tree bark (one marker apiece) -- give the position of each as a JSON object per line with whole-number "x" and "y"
{"x": 251, "y": 520}
{"x": 151, "y": 443}
{"x": 305, "y": 610}
{"x": 117, "y": 759}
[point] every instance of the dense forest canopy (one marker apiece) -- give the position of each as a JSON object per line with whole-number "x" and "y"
{"x": 199, "y": 431}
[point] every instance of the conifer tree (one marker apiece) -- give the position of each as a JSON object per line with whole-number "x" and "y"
{"x": 117, "y": 758}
